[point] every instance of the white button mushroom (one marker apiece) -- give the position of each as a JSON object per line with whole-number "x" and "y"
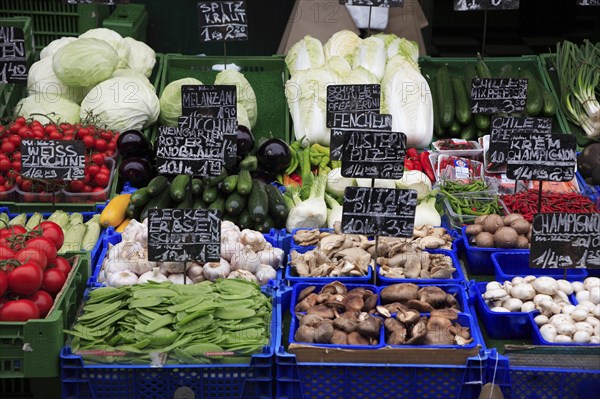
{"x": 562, "y": 339}
{"x": 581, "y": 337}
{"x": 595, "y": 295}
{"x": 548, "y": 332}
{"x": 583, "y": 326}
{"x": 500, "y": 309}
{"x": 592, "y": 321}
{"x": 540, "y": 320}
{"x": 495, "y": 294}
{"x": 566, "y": 329}
{"x": 517, "y": 280}
{"x": 539, "y": 298}
{"x": 595, "y": 340}
{"x": 565, "y": 286}
{"x": 512, "y": 304}
{"x": 591, "y": 282}
{"x": 529, "y": 306}
{"x": 523, "y": 292}
{"x": 493, "y": 285}
{"x": 577, "y": 286}
{"x": 579, "y": 314}
{"x": 529, "y": 279}
{"x": 545, "y": 285}
{"x": 583, "y": 295}
{"x": 568, "y": 309}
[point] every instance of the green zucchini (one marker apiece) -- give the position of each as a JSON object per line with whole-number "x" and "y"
{"x": 258, "y": 202}
{"x": 219, "y": 205}
{"x": 210, "y": 194}
{"x": 229, "y": 184}
{"x": 157, "y": 185}
{"x": 469, "y": 132}
{"x": 266, "y": 225}
{"x": 235, "y": 203}
{"x": 140, "y": 197}
{"x": 455, "y": 128}
{"x": 461, "y": 100}
{"x": 230, "y": 218}
{"x": 445, "y": 97}
{"x": 482, "y": 69}
{"x": 438, "y": 131}
{"x": 179, "y": 186}
{"x": 133, "y": 212}
{"x": 214, "y": 180}
{"x": 535, "y": 97}
{"x": 199, "y": 203}
{"x": 197, "y": 186}
{"x": 277, "y": 206}
{"x": 244, "y": 220}
{"x": 244, "y": 183}
{"x": 549, "y": 104}
{"x": 161, "y": 201}
{"x": 188, "y": 201}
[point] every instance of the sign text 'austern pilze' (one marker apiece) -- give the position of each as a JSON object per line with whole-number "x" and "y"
{"x": 345, "y": 122}
{"x": 379, "y": 211}
{"x": 184, "y": 235}
{"x": 352, "y": 98}
{"x": 475, "y": 5}
{"x": 13, "y": 60}
{"x": 541, "y": 156}
{"x": 374, "y": 3}
{"x": 502, "y": 127}
{"x": 374, "y": 154}
{"x": 498, "y": 95}
{"x": 53, "y": 159}
{"x": 222, "y": 21}
{"x": 565, "y": 240}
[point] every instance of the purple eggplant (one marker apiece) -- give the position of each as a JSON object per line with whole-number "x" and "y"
{"x": 137, "y": 171}
{"x": 274, "y": 155}
{"x": 133, "y": 143}
{"x": 245, "y": 141}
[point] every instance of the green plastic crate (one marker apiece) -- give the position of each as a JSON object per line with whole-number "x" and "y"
{"x": 547, "y": 66}
{"x": 10, "y": 94}
{"x": 30, "y": 349}
{"x": 129, "y": 20}
{"x": 430, "y": 65}
{"x": 53, "y": 19}
{"x": 266, "y": 75}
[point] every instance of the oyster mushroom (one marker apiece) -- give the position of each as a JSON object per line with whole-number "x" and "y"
{"x": 368, "y": 326}
{"x": 306, "y": 303}
{"x": 435, "y": 296}
{"x": 449, "y": 314}
{"x": 399, "y": 292}
{"x": 334, "y": 288}
{"x": 420, "y": 306}
{"x": 418, "y": 332}
{"x": 305, "y": 292}
{"x": 321, "y": 310}
{"x": 306, "y": 237}
{"x": 408, "y": 316}
{"x": 331, "y": 244}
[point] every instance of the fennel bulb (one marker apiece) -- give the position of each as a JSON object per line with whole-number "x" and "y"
{"x": 312, "y": 212}
{"x": 425, "y": 213}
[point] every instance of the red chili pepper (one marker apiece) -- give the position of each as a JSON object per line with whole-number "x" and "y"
{"x": 292, "y": 180}
{"x": 426, "y": 165}
{"x": 412, "y": 153}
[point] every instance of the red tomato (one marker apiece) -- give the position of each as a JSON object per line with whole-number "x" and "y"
{"x": 102, "y": 179}
{"x": 98, "y": 158}
{"x": 33, "y": 254}
{"x": 68, "y": 137}
{"x": 15, "y": 139}
{"x": 43, "y": 301}
{"x": 87, "y": 188}
{"x": 83, "y": 132}
{"x": 19, "y": 310}
{"x": 25, "y": 279}
{"x": 6, "y": 253}
{"x": 55, "y": 135}
{"x": 89, "y": 141}
{"x": 76, "y": 186}
{"x": 53, "y": 281}
{"x": 26, "y": 185}
{"x": 53, "y": 232}
{"x": 45, "y": 245}
{"x": 99, "y": 145}
{"x": 5, "y": 165}
{"x": 93, "y": 170}
{"x": 7, "y": 147}
{"x": 61, "y": 264}
{"x": 3, "y": 283}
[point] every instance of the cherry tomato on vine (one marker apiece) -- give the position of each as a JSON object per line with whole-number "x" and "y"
{"x": 53, "y": 232}
{"x": 34, "y": 255}
{"x": 45, "y": 245}
{"x": 3, "y": 283}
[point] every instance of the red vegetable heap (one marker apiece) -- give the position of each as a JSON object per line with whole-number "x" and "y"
{"x": 526, "y": 203}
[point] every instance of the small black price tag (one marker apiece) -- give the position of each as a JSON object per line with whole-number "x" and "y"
{"x": 565, "y": 240}
{"x": 13, "y": 60}
{"x": 502, "y": 127}
{"x": 374, "y": 3}
{"x": 379, "y": 211}
{"x": 374, "y": 154}
{"x": 541, "y": 156}
{"x": 222, "y": 21}
{"x": 498, "y": 95}
{"x": 364, "y": 121}
{"x": 53, "y": 159}
{"x": 476, "y": 5}
{"x": 183, "y": 235}
{"x": 595, "y": 3}
{"x": 352, "y": 98}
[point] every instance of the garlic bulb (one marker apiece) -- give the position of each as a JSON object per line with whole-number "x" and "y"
{"x": 196, "y": 273}
{"x": 246, "y": 259}
{"x": 243, "y": 275}
{"x": 178, "y": 278}
{"x": 254, "y": 239}
{"x": 265, "y": 273}
{"x": 153, "y": 275}
{"x": 216, "y": 270}
{"x": 121, "y": 279}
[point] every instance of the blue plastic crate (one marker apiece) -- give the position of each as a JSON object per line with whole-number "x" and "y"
{"x": 293, "y": 278}
{"x": 479, "y": 260}
{"x": 214, "y": 381}
{"x": 301, "y": 248}
{"x": 539, "y": 340}
{"x": 296, "y": 289}
{"x": 591, "y": 191}
{"x": 457, "y": 277}
{"x": 458, "y": 291}
{"x": 511, "y": 264}
{"x": 299, "y": 380}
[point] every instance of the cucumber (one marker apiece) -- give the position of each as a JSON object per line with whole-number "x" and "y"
{"x": 277, "y": 206}
{"x": 250, "y": 163}
{"x": 266, "y": 225}
{"x": 197, "y": 186}
{"x": 199, "y": 203}
{"x": 235, "y": 203}
{"x": 188, "y": 201}
{"x": 482, "y": 69}
{"x": 214, "y": 180}
{"x": 244, "y": 220}
{"x": 535, "y": 97}
{"x": 218, "y": 205}
{"x": 258, "y": 202}
{"x": 244, "y": 183}
{"x": 210, "y": 194}
{"x": 133, "y": 212}
{"x": 507, "y": 71}
{"x": 229, "y": 184}
{"x": 481, "y": 133}
{"x": 140, "y": 197}
{"x": 549, "y": 104}
{"x": 445, "y": 97}
{"x": 469, "y": 132}
{"x": 461, "y": 100}
{"x": 438, "y": 131}
{"x": 161, "y": 201}
{"x": 179, "y": 186}
{"x": 230, "y": 218}
{"x": 482, "y": 121}
{"x": 455, "y": 129}
{"x": 157, "y": 185}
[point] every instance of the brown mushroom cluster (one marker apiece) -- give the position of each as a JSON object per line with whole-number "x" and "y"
{"x": 417, "y": 264}
{"x": 408, "y": 296}
{"x": 495, "y": 231}
{"x": 336, "y": 315}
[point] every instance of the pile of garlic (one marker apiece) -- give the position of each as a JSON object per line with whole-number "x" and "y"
{"x": 559, "y": 320}
{"x": 244, "y": 254}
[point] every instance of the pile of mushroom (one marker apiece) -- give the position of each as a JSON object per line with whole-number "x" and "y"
{"x": 559, "y": 320}
{"x": 415, "y": 264}
{"x": 407, "y": 301}
{"x": 337, "y": 316}
{"x": 495, "y": 231}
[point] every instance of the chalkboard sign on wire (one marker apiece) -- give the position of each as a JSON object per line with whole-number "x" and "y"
{"x": 374, "y": 3}
{"x": 379, "y": 211}
{"x": 184, "y": 235}
{"x": 352, "y": 98}
{"x": 595, "y": 3}
{"x": 374, "y": 154}
{"x": 13, "y": 59}
{"x": 53, "y": 159}
{"x": 221, "y": 21}
{"x": 498, "y": 95}
{"x": 361, "y": 120}
{"x": 565, "y": 240}
{"x": 485, "y": 5}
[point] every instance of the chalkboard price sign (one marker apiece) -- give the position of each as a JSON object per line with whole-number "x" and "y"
{"x": 541, "y": 156}
{"x": 374, "y": 3}
{"x": 53, "y": 159}
{"x": 498, "y": 95}
{"x": 352, "y": 98}
{"x": 183, "y": 235}
{"x": 379, "y": 211}
{"x": 502, "y": 127}
{"x": 588, "y": 3}
{"x": 361, "y": 120}
{"x": 189, "y": 151}
{"x": 381, "y": 122}
{"x": 13, "y": 60}
{"x": 475, "y": 5}
{"x": 374, "y": 155}
{"x": 228, "y": 126}
{"x": 565, "y": 240}
{"x": 222, "y": 21}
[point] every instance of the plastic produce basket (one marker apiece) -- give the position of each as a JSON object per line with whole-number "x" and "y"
{"x": 53, "y": 19}
{"x": 455, "y": 222}
{"x": 539, "y": 340}
{"x": 129, "y": 20}
{"x": 30, "y": 349}
{"x": 11, "y": 93}
{"x": 457, "y": 277}
{"x": 207, "y": 381}
{"x": 266, "y": 75}
{"x": 511, "y": 264}
{"x": 315, "y": 380}
{"x": 479, "y": 260}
